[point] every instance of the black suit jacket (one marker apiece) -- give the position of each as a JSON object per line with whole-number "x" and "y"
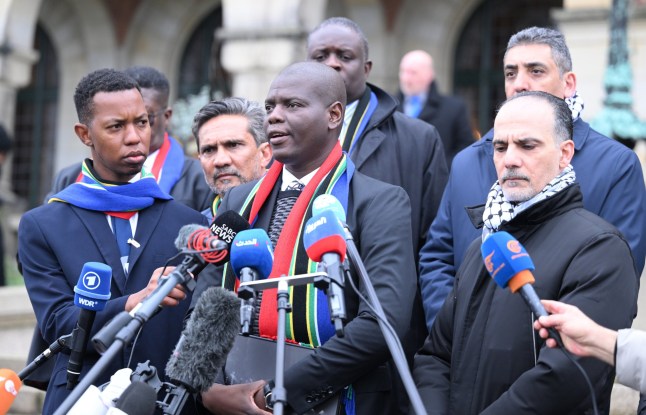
{"x": 450, "y": 116}
{"x": 379, "y": 218}
{"x": 57, "y": 239}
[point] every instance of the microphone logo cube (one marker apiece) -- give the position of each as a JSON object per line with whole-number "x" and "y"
{"x": 91, "y": 280}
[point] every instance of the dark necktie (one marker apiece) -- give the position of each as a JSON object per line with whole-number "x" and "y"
{"x": 284, "y": 204}
{"x": 123, "y": 233}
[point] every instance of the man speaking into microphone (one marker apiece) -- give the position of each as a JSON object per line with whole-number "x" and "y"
{"x": 483, "y": 355}
{"x": 116, "y": 215}
{"x": 305, "y": 107}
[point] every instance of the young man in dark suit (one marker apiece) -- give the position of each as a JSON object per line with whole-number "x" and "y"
{"x": 116, "y": 215}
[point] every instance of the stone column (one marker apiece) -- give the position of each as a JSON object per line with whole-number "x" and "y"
{"x": 261, "y": 38}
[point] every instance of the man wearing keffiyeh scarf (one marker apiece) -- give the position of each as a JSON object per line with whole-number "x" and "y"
{"x": 483, "y": 355}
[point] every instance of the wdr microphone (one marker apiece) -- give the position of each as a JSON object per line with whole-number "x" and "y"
{"x": 91, "y": 293}
{"x": 325, "y": 243}
{"x": 206, "y": 340}
{"x": 9, "y": 386}
{"x": 252, "y": 259}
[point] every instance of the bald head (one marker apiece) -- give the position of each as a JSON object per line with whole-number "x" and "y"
{"x": 416, "y": 72}
{"x": 325, "y": 82}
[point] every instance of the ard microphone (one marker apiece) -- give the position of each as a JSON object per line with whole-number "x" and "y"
{"x": 9, "y": 386}
{"x": 509, "y": 265}
{"x": 91, "y": 293}
{"x": 206, "y": 340}
{"x": 252, "y": 259}
{"x": 325, "y": 243}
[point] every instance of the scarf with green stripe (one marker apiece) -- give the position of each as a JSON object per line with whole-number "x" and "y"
{"x": 93, "y": 194}
{"x": 309, "y": 322}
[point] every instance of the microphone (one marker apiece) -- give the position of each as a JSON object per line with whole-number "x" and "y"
{"x": 509, "y": 265}
{"x": 200, "y": 239}
{"x": 206, "y": 340}
{"x": 91, "y": 293}
{"x": 9, "y": 386}
{"x": 138, "y": 399}
{"x": 252, "y": 259}
{"x": 325, "y": 243}
{"x": 329, "y": 202}
{"x": 226, "y": 226}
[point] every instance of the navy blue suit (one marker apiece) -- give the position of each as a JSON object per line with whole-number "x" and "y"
{"x": 55, "y": 240}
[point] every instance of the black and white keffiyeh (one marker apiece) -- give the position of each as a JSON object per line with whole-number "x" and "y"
{"x": 575, "y": 102}
{"x": 499, "y": 210}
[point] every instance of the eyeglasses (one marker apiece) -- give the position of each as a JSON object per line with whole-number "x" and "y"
{"x": 152, "y": 117}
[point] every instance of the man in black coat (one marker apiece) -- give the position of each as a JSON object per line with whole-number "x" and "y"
{"x": 304, "y": 115}
{"x": 419, "y": 98}
{"x": 483, "y": 355}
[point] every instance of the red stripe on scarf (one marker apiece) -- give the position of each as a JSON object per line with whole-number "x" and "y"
{"x": 287, "y": 240}
{"x": 161, "y": 157}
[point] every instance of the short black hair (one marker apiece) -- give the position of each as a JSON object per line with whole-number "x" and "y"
{"x": 344, "y": 22}
{"x": 563, "y": 125}
{"x": 5, "y": 141}
{"x": 102, "y": 80}
{"x": 150, "y": 78}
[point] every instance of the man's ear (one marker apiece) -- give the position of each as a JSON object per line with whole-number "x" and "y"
{"x": 335, "y": 114}
{"x": 569, "y": 87}
{"x": 264, "y": 149}
{"x": 83, "y": 133}
{"x": 567, "y": 152}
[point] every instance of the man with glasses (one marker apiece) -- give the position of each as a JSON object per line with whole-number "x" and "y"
{"x": 177, "y": 174}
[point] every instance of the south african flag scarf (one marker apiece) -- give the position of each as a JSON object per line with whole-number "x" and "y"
{"x": 309, "y": 321}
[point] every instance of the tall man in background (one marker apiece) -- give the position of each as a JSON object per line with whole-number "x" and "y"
{"x": 177, "y": 174}
{"x": 610, "y": 175}
{"x": 419, "y": 97}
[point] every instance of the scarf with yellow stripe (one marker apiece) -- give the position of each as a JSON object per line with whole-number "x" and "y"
{"x": 309, "y": 322}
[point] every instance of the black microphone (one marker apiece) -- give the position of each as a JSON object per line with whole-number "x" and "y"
{"x": 138, "y": 399}
{"x": 91, "y": 293}
{"x": 206, "y": 340}
{"x": 226, "y": 226}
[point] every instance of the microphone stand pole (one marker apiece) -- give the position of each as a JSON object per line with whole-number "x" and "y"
{"x": 396, "y": 353}
{"x": 278, "y": 393}
{"x": 245, "y": 291}
{"x": 58, "y": 346}
{"x": 123, "y": 328}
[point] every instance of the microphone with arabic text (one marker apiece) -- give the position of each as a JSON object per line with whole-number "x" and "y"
{"x": 9, "y": 386}
{"x": 510, "y": 265}
{"x": 252, "y": 259}
{"x": 91, "y": 293}
{"x": 206, "y": 340}
{"x": 325, "y": 243}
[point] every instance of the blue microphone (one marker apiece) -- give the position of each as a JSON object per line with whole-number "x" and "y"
{"x": 509, "y": 265}
{"x": 91, "y": 293}
{"x": 328, "y": 202}
{"x": 325, "y": 244}
{"x": 252, "y": 258}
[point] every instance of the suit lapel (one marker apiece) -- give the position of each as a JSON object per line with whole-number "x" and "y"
{"x": 97, "y": 226}
{"x": 370, "y": 141}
